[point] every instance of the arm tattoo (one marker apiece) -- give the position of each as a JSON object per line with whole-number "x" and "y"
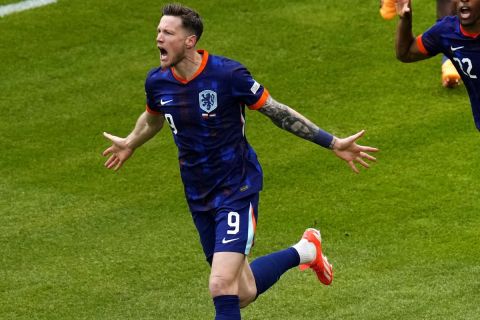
{"x": 289, "y": 119}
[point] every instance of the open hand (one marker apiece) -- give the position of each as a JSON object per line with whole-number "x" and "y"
{"x": 403, "y": 6}
{"x": 119, "y": 152}
{"x": 348, "y": 150}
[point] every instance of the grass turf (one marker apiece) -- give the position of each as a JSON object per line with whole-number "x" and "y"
{"x": 79, "y": 242}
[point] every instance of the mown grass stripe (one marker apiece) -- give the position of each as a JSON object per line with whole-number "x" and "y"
{"x": 22, "y": 6}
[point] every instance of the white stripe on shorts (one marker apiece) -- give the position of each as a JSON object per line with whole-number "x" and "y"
{"x": 251, "y": 231}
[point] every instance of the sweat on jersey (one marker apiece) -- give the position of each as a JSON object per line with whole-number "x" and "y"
{"x": 448, "y": 37}
{"x": 207, "y": 117}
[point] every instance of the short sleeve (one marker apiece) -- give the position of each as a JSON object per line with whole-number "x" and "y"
{"x": 429, "y": 43}
{"x": 247, "y": 90}
{"x": 150, "y": 104}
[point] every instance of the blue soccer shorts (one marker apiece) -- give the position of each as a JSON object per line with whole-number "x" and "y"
{"x": 228, "y": 228}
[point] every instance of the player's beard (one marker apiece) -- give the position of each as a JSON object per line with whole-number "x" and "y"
{"x": 173, "y": 61}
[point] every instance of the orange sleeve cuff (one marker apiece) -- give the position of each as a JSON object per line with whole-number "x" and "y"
{"x": 260, "y": 101}
{"x": 150, "y": 110}
{"x": 421, "y": 47}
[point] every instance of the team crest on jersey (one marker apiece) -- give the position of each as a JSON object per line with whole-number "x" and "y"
{"x": 207, "y": 100}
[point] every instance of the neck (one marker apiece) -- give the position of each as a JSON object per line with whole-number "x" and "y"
{"x": 189, "y": 65}
{"x": 471, "y": 30}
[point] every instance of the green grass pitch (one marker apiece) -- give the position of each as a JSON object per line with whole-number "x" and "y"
{"x": 80, "y": 242}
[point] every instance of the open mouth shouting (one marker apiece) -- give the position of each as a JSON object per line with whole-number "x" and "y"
{"x": 464, "y": 12}
{"x": 163, "y": 54}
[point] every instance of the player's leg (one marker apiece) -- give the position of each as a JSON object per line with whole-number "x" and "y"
{"x": 450, "y": 76}
{"x": 223, "y": 282}
{"x": 235, "y": 283}
{"x": 235, "y": 230}
{"x": 265, "y": 271}
{"x": 247, "y": 289}
{"x": 226, "y": 271}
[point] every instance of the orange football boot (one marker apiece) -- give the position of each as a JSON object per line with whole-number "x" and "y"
{"x": 388, "y": 11}
{"x": 320, "y": 264}
{"x": 450, "y": 76}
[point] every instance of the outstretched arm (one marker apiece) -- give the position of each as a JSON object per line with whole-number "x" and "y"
{"x": 405, "y": 42}
{"x": 147, "y": 126}
{"x": 346, "y": 149}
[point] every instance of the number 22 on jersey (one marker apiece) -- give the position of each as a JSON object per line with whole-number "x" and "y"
{"x": 466, "y": 66}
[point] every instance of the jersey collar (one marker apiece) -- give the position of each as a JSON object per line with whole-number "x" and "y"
{"x": 468, "y": 34}
{"x": 204, "y": 54}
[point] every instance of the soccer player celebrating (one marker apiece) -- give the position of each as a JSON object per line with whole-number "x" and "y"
{"x": 202, "y": 97}
{"x": 455, "y": 36}
{"x": 450, "y": 76}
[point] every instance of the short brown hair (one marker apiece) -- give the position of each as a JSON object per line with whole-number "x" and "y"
{"x": 190, "y": 18}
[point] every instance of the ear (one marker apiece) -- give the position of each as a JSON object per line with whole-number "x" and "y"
{"x": 191, "y": 41}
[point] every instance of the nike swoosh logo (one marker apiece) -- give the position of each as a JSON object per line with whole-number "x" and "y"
{"x": 456, "y": 48}
{"x": 165, "y": 102}
{"x": 225, "y": 241}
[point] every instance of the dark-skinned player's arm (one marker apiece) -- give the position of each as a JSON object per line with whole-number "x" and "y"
{"x": 407, "y": 48}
